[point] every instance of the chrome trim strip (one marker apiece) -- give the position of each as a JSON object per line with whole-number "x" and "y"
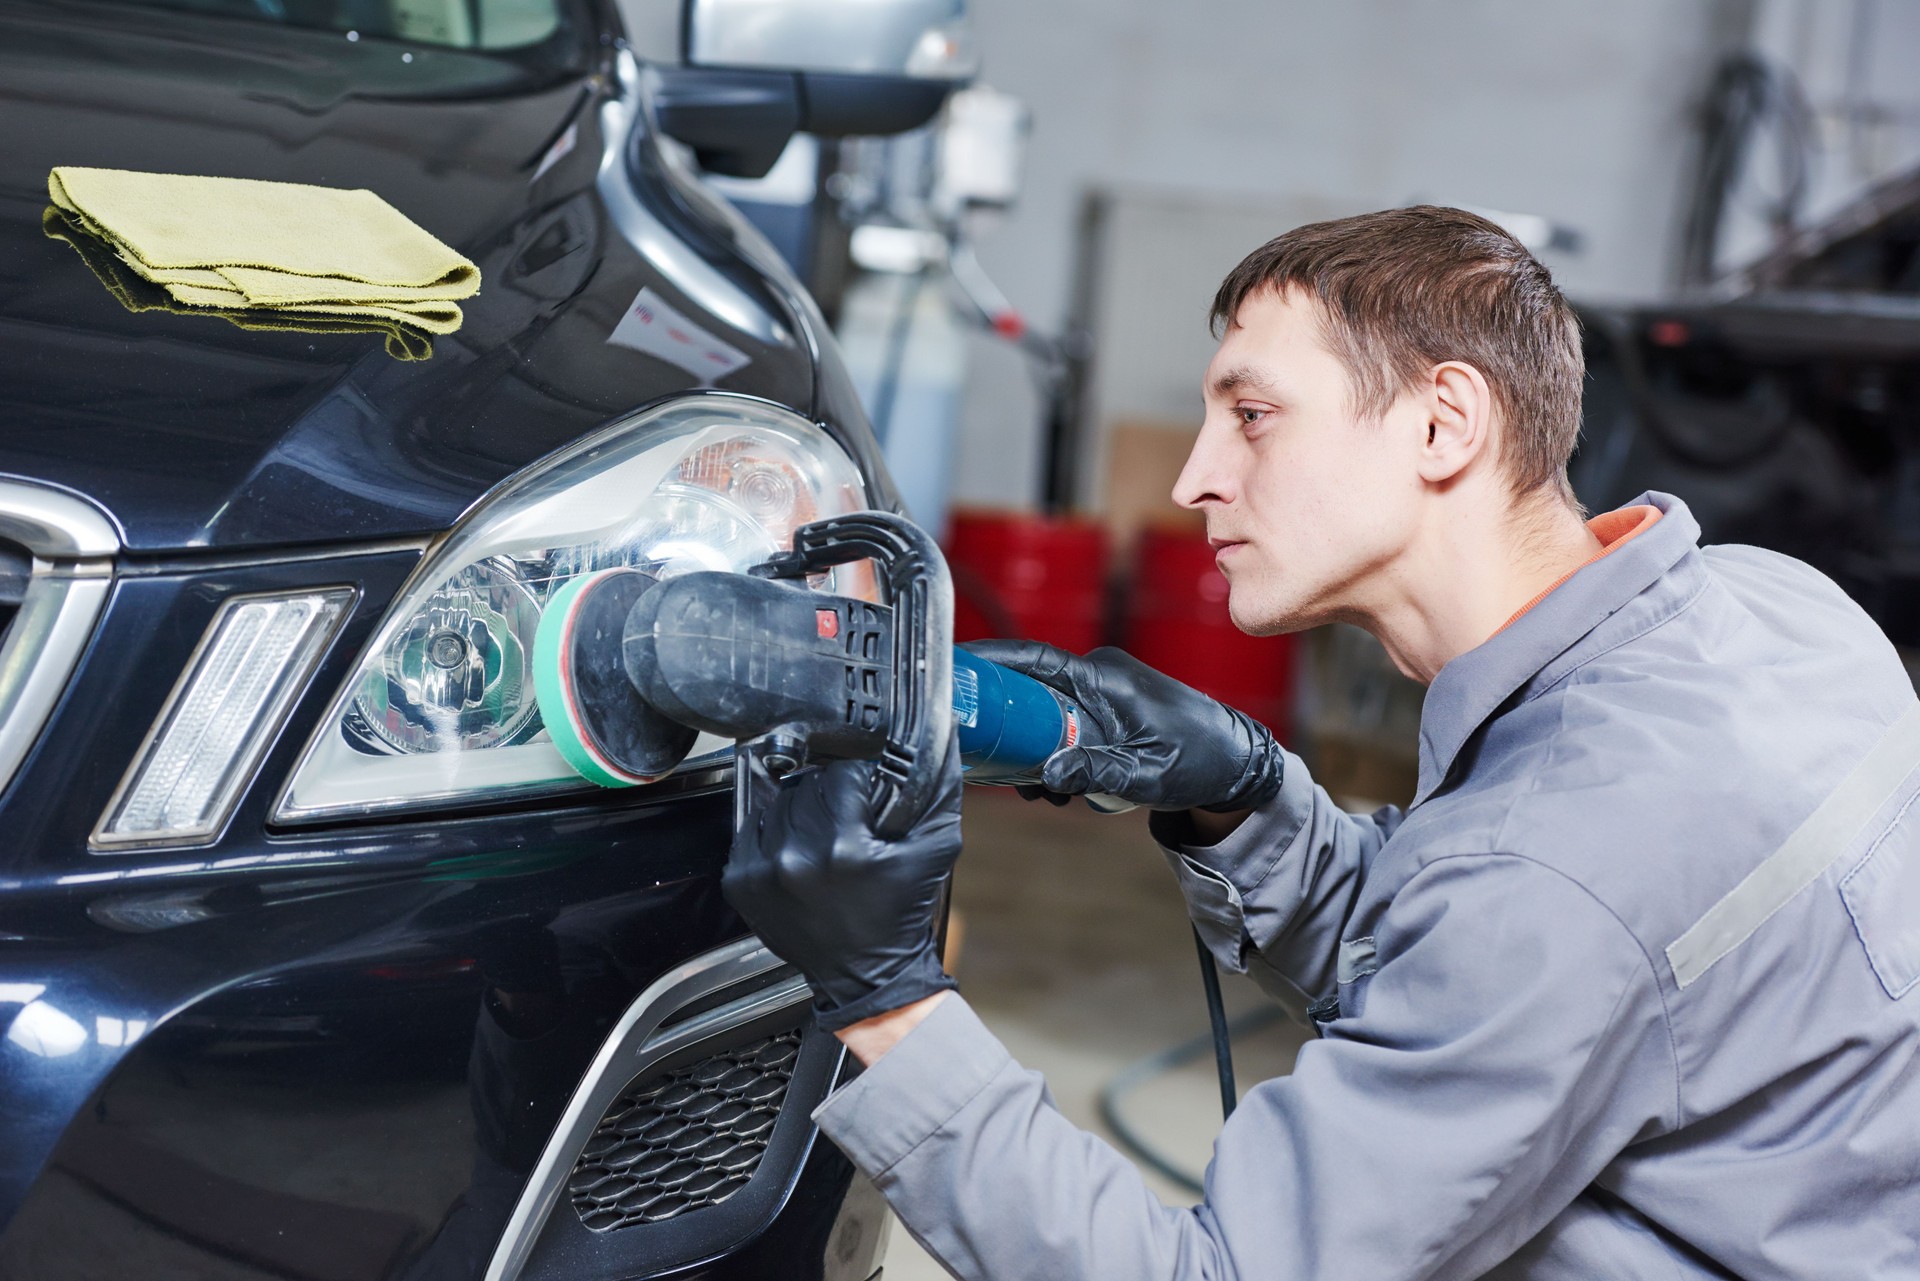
{"x": 73, "y": 544}
{"x": 53, "y": 524}
{"x": 42, "y": 646}
{"x": 635, "y": 1044}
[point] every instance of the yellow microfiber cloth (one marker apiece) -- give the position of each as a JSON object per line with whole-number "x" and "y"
{"x": 405, "y": 341}
{"x": 241, "y": 244}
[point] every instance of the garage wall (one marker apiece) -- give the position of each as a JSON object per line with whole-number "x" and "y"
{"x": 1160, "y": 254}
{"x": 1226, "y": 110}
{"x": 1853, "y": 63}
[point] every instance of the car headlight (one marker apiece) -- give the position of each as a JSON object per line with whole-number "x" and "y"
{"x": 442, "y": 706}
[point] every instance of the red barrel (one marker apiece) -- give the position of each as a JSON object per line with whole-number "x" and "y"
{"x": 1024, "y": 575}
{"x": 1177, "y": 622}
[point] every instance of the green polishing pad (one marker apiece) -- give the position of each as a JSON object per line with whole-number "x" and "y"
{"x": 598, "y": 721}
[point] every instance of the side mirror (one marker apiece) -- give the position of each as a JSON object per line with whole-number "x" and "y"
{"x": 758, "y": 71}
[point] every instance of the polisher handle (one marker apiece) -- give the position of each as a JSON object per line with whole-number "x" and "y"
{"x": 920, "y": 593}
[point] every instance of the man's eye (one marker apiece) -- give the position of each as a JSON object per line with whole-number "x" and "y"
{"x": 1248, "y": 415}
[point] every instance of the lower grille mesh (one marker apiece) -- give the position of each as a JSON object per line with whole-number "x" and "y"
{"x": 684, "y": 1139}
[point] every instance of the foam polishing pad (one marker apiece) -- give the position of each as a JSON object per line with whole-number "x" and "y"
{"x": 603, "y": 728}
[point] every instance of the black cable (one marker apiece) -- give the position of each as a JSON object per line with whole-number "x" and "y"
{"x": 1217, "y": 1019}
{"x": 1160, "y": 1062}
{"x": 1748, "y": 95}
{"x": 1752, "y": 427}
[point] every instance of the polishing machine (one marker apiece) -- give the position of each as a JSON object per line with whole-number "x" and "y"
{"x": 630, "y": 668}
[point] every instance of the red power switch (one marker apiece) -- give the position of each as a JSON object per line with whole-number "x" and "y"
{"x": 827, "y": 622}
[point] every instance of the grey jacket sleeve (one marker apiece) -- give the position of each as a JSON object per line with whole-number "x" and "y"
{"x": 1273, "y": 898}
{"x": 1511, "y": 1042}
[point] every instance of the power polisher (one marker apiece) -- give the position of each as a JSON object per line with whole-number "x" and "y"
{"x": 629, "y": 668}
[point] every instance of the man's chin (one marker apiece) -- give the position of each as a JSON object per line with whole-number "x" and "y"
{"x": 1264, "y": 618}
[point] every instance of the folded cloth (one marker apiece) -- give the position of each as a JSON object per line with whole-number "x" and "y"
{"x": 405, "y": 340}
{"x": 241, "y": 243}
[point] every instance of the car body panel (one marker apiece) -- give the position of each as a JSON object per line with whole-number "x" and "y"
{"x": 199, "y": 434}
{"x": 363, "y": 1031}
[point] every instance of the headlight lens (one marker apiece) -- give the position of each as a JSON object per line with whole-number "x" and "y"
{"x": 455, "y": 674}
{"x": 442, "y": 707}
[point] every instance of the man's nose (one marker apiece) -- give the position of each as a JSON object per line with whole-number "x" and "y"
{"x": 1205, "y": 478}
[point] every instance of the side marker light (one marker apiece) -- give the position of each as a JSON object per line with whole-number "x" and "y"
{"x": 257, "y": 654}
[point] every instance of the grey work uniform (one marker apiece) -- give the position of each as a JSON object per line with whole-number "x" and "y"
{"x": 1632, "y": 990}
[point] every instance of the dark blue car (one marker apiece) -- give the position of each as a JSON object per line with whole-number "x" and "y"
{"x": 315, "y": 960}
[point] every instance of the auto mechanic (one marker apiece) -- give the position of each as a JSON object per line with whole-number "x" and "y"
{"x": 1631, "y": 989}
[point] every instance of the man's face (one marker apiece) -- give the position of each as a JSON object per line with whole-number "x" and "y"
{"x": 1308, "y": 508}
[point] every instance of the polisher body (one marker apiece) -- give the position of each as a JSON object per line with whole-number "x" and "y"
{"x": 632, "y": 667}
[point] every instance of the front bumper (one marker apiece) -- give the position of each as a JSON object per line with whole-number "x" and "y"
{"x": 341, "y": 1051}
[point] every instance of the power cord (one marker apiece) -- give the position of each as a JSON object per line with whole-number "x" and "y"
{"x": 1749, "y": 97}
{"x": 1218, "y": 1037}
{"x": 1159, "y": 1063}
{"x": 1217, "y": 1021}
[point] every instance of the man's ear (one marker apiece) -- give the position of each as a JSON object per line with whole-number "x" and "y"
{"x": 1459, "y": 420}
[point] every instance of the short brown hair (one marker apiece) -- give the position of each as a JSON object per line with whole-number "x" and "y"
{"x": 1404, "y": 289}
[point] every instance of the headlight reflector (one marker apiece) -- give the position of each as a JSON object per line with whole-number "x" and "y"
{"x": 442, "y": 707}
{"x": 455, "y": 675}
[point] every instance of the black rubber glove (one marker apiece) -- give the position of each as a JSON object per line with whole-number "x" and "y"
{"x": 857, "y": 915}
{"x": 1165, "y": 745}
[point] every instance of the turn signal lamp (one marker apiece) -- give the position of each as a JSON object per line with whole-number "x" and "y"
{"x": 258, "y": 652}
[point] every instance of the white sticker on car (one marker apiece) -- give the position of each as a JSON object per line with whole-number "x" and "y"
{"x": 650, "y": 325}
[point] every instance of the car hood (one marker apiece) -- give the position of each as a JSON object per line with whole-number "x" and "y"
{"x": 194, "y": 433}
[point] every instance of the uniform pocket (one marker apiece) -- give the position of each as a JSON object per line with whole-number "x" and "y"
{"x": 1882, "y": 895}
{"x": 1357, "y": 960}
{"x": 1354, "y": 964}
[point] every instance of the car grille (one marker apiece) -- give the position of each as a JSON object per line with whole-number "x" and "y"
{"x": 56, "y": 569}
{"x": 16, "y": 571}
{"x": 683, "y": 1139}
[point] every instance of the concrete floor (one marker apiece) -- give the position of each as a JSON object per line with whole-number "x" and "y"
{"x": 1076, "y": 951}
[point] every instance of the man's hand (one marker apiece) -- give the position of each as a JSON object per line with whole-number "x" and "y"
{"x": 856, "y": 914}
{"x": 1165, "y": 745}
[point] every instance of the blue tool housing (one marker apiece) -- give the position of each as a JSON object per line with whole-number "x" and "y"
{"x": 1008, "y": 723}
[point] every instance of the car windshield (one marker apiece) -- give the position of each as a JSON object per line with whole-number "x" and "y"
{"x": 454, "y": 24}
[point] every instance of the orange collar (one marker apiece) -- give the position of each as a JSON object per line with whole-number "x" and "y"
{"x": 1613, "y": 529}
